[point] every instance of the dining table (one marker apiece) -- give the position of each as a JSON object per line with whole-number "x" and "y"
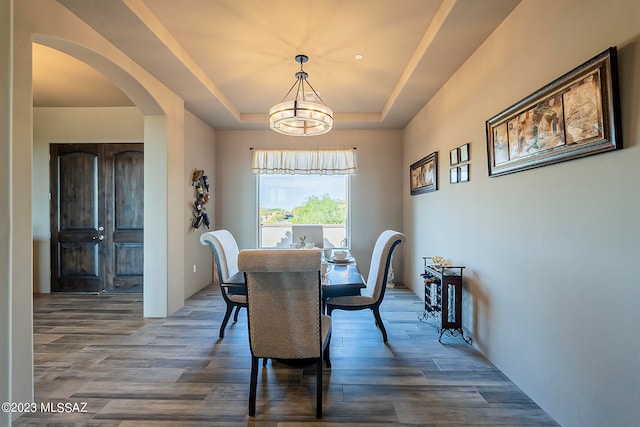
{"x": 341, "y": 278}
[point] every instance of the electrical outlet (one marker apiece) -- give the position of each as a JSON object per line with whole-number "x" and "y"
{"x": 194, "y": 268}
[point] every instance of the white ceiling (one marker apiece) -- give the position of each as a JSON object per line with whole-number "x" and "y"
{"x": 231, "y": 60}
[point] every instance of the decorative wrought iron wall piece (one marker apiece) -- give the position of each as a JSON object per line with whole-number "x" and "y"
{"x": 200, "y": 182}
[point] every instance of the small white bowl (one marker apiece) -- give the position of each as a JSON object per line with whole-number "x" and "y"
{"x": 340, "y": 255}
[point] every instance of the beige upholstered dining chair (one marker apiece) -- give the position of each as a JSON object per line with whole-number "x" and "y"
{"x": 371, "y": 296}
{"x": 284, "y": 306}
{"x": 225, "y": 253}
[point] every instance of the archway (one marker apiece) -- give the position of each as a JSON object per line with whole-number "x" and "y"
{"x": 50, "y": 24}
{"x": 155, "y": 137}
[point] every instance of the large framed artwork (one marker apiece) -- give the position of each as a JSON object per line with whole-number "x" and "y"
{"x": 423, "y": 174}
{"x": 575, "y": 116}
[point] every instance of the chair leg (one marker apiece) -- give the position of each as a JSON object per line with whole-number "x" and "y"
{"x": 227, "y": 315}
{"x": 327, "y": 352}
{"x": 376, "y": 314}
{"x": 264, "y": 362}
{"x": 235, "y": 316}
{"x": 253, "y": 386}
{"x": 319, "y": 388}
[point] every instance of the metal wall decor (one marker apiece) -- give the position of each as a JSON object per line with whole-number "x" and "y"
{"x": 200, "y": 182}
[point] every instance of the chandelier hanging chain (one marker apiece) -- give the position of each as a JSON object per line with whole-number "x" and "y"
{"x": 302, "y": 77}
{"x": 297, "y": 82}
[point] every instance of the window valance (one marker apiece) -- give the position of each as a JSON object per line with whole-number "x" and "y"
{"x": 304, "y": 162}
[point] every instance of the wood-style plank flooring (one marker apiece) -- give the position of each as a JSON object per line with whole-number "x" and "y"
{"x": 132, "y": 371}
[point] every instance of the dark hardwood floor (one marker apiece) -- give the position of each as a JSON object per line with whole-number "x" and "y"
{"x": 130, "y": 371}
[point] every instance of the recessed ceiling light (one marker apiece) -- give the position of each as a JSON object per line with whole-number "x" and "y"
{"x": 359, "y": 56}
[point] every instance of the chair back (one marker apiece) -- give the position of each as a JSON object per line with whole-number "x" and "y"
{"x": 311, "y": 233}
{"x": 284, "y": 302}
{"x": 380, "y": 262}
{"x": 225, "y": 252}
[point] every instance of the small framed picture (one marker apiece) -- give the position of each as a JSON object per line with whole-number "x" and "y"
{"x": 453, "y": 175}
{"x": 464, "y": 153}
{"x": 453, "y": 156}
{"x": 464, "y": 173}
{"x": 423, "y": 175}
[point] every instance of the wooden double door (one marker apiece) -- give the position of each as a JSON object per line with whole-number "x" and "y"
{"x": 97, "y": 217}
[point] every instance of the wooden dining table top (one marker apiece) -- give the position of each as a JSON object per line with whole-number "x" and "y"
{"x": 341, "y": 279}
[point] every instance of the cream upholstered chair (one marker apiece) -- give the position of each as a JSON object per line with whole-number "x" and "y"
{"x": 225, "y": 253}
{"x": 371, "y": 296}
{"x": 284, "y": 306}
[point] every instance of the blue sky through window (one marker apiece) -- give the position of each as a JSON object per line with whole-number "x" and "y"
{"x": 289, "y": 191}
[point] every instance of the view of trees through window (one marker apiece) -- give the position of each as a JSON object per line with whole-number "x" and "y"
{"x": 286, "y": 200}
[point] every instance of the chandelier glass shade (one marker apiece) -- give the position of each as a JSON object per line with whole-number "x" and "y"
{"x": 304, "y": 114}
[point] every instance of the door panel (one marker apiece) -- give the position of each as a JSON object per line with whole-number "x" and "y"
{"x": 125, "y": 176}
{"x": 97, "y": 217}
{"x": 79, "y": 190}
{"x": 76, "y": 211}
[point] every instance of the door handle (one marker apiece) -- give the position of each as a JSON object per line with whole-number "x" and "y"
{"x": 99, "y": 237}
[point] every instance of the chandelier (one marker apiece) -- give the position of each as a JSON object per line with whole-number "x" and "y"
{"x": 303, "y": 115}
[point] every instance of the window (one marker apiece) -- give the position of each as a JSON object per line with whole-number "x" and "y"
{"x": 285, "y": 201}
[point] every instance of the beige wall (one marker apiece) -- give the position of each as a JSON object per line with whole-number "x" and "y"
{"x": 552, "y": 290}
{"x": 6, "y": 205}
{"x": 20, "y": 294}
{"x": 199, "y": 153}
{"x": 375, "y": 200}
